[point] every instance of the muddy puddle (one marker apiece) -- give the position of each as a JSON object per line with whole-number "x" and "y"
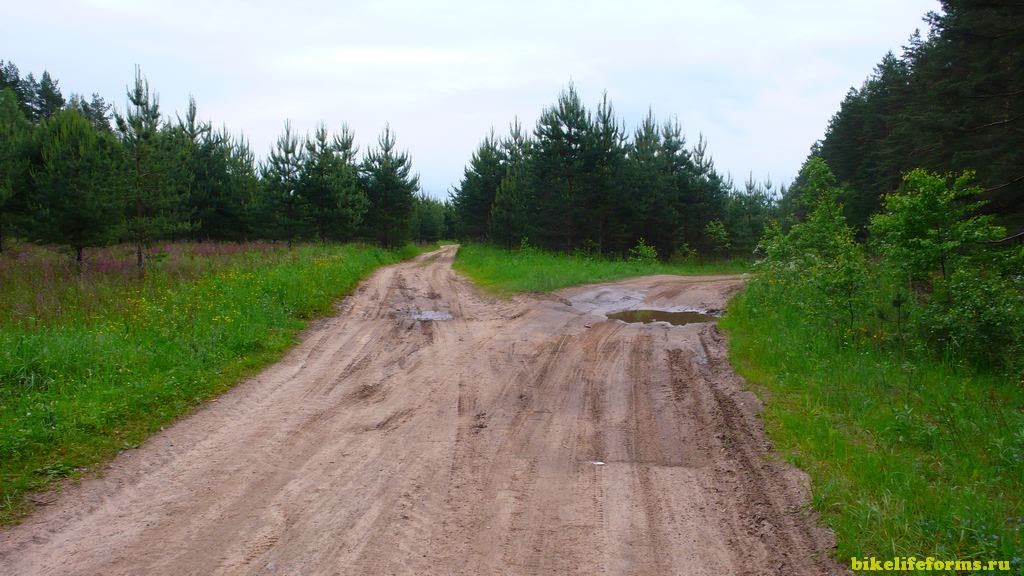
{"x": 674, "y": 318}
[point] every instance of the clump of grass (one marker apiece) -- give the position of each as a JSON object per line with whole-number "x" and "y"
{"x": 908, "y": 455}
{"x": 531, "y": 270}
{"x": 93, "y": 362}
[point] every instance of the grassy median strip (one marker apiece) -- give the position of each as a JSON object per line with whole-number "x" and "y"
{"x": 531, "y": 270}
{"x": 92, "y": 362}
{"x": 908, "y": 456}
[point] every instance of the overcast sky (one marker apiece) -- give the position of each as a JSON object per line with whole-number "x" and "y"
{"x": 759, "y": 79}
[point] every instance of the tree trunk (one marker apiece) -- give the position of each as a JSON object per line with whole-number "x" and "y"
{"x": 569, "y": 216}
{"x": 140, "y": 260}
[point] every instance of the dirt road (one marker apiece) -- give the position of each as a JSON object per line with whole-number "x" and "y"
{"x": 523, "y": 436}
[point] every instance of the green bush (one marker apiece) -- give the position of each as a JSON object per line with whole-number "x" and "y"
{"x": 934, "y": 282}
{"x": 643, "y": 252}
{"x": 820, "y": 259}
{"x": 981, "y": 319}
{"x": 966, "y": 296}
{"x": 926, "y": 224}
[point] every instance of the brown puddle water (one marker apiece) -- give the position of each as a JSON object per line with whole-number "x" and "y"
{"x": 674, "y": 318}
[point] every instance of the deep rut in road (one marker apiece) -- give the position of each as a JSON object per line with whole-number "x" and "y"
{"x": 522, "y": 436}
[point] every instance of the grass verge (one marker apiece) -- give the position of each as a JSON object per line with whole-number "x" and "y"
{"x": 907, "y": 457}
{"x": 93, "y": 363}
{"x": 506, "y": 272}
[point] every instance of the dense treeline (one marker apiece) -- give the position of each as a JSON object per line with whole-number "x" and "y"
{"x": 78, "y": 173}
{"x": 953, "y": 101}
{"x": 579, "y": 181}
{"x": 902, "y": 224}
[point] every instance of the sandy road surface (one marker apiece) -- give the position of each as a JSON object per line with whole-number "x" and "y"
{"x": 388, "y": 445}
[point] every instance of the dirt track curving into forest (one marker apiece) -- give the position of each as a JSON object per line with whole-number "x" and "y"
{"x": 522, "y": 436}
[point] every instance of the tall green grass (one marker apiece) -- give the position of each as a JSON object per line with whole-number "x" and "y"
{"x": 531, "y": 270}
{"x": 93, "y": 362}
{"x": 908, "y": 455}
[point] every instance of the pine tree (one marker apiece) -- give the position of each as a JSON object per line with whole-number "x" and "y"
{"x": 28, "y": 95}
{"x": 224, "y": 215}
{"x": 352, "y": 201}
{"x": 653, "y": 189}
{"x": 473, "y": 198}
{"x": 78, "y": 183}
{"x": 317, "y": 182}
{"x": 391, "y": 188}
{"x": 49, "y": 98}
{"x": 185, "y": 163}
{"x": 153, "y": 203}
{"x": 215, "y": 175}
{"x": 96, "y": 110}
{"x": 328, "y": 183}
{"x": 706, "y": 198}
{"x": 560, "y": 135}
{"x": 602, "y": 204}
{"x": 245, "y": 188}
{"x": 427, "y": 219}
{"x": 284, "y": 208}
{"x": 871, "y": 114}
{"x": 10, "y": 76}
{"x": 509, "y": 212}
{"x": 747, "y": 214}
{"x": 15, "y": 137}
{"x": 512, "y": 215}
{"x": 345, "y": 145}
